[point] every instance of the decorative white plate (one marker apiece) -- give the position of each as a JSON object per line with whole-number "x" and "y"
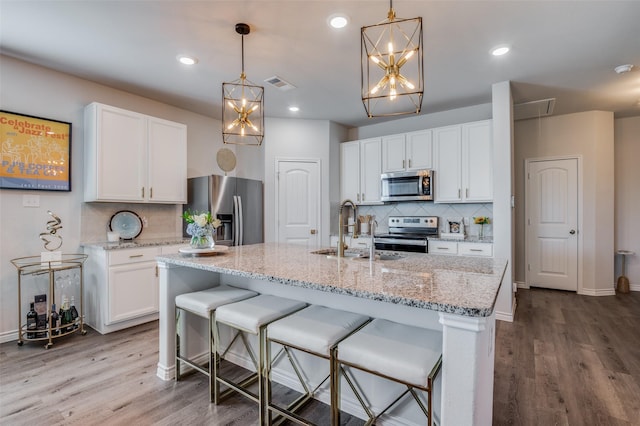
{"x": 126, "y": 223}
{"x": 205, "y": 251}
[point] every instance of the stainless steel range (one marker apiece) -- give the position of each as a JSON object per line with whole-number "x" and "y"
{"x": 408, "y": 233}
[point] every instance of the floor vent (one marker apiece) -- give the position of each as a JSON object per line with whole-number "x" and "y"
{"x": 279, "y": 83}
{"x": 534, "y": 109}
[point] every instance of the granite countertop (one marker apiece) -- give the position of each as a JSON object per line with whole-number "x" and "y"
{"x": 137, "y": 243}
{"x": 465, "y": 286}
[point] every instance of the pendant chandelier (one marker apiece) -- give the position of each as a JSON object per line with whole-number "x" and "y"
{"x": 242, "y": 106}
{"x": 392, "y": 61}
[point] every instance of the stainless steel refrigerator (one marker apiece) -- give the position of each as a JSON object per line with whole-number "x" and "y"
{"x": 237, "y": 202}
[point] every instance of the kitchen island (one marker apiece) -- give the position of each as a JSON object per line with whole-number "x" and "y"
{"x": 452, "y": 294}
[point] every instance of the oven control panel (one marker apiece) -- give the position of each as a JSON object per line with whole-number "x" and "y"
{"x": 413, "y": 222}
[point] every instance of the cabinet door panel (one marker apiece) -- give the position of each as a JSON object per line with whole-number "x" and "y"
{"x": 133, "y": 291}
{"x": 447, "y": 151}
{"x": 419, "y": 150}
{"x": 122, "y": 151}
{"x": 393, "y": 154}
{"x": 370, "y": 170}
{"x": 477, "y": 165}
{"x": 350, "y": 171}
{"x": 167, "y": 162}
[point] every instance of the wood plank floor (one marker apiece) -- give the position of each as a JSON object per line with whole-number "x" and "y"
{"x": 569, "y": 360}
{"x": 565, "y": 360}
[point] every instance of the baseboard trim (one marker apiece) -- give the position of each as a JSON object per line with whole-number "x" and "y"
{"x": 598, "y": 292}
{"x": 9, "y": 336}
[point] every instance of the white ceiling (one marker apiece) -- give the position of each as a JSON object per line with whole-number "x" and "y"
{"x": 562, "y": 49}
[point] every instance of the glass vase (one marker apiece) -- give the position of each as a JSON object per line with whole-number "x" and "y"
{"x": 204, "y": 241}
{"x": 481, "y": 233}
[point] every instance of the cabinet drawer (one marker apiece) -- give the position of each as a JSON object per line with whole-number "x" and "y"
{"x": 443, "y": 247}
{"x": 475, "y": 249}
{"x": 126, "y": 256}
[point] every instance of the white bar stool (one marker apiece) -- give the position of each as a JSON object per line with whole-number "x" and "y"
{"x": 401, "y": 353}
{"x": 250, "y": 316}
{"x": 203, "y": 304}
{"x": 314, "y": 330}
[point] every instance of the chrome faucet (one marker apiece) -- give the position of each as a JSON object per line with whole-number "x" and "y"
{"x": 340, "y": 225}
{"x": 372, "y": 247}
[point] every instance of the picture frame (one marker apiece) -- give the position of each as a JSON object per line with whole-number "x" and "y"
{"x": 35, "y": 153}
{"x": 455, "y": 225}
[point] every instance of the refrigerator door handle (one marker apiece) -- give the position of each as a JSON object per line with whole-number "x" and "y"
{"x": 240, "y": 222}
{"x": 234, "y": 241}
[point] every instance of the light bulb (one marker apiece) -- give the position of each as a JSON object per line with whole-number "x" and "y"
{"x": 390, "y": 48}
{"x": 374, "y": 59}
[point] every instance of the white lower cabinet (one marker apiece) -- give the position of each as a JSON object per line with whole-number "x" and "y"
{"x": 443, "y": 247}
{"x": 460, "y": 248}
{"x": 121, "y": 287}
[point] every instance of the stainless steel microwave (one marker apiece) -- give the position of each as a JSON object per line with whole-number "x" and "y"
{"x": 407, "y": 186}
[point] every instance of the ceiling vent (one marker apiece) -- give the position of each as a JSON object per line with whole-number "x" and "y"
{"x": 279, "y": 83}
{"x": 534, "y": 109}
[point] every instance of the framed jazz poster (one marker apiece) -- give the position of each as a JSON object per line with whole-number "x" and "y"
{"x": 35, "y": 153}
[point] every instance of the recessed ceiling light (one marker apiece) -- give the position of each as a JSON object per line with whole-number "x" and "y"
{"x": 338, "y": 20}
{"x": 294, "y": 108}
{"x": 500, "y": 50}
{"x": 621, "y": 69}
{"x": 187, "y": 60}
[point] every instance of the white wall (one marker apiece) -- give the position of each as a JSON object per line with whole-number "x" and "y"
{"x": 34, "y": 90}
{"x": 301, "y": 140}
{"x": 589, "y": 135}
{"x": 627, "y": 196}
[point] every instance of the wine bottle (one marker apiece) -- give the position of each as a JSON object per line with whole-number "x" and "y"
{"x": 62, "y": 318}
{"x": 74, "y": 312}
{"x": 54, "y": 320}
{"x": 32, "y": 322}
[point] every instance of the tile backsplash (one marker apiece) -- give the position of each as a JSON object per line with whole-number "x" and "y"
{"x": 158, "y": 220}
{"x": 443, "y": 211}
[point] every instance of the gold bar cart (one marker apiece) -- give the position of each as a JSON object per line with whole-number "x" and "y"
{"x": 35, "y": 266}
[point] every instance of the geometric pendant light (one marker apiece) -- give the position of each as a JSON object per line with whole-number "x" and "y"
{"x": 242, "y": 106}
{"x": 391, "y": 66}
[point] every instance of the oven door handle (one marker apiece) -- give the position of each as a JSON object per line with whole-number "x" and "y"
{"x": 400, "y": 241}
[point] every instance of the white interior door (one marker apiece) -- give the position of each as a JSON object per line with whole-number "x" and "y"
{"x": 552, "y": 224}
{"x": 298, "y": 202}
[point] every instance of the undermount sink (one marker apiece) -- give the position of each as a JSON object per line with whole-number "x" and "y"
{"x": 332, "y": 253}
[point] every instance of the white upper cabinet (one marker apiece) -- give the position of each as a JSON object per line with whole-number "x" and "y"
{"x": 132, "y": 157}
{"x": 477, "y": 161}
{"x": 405, "y": 152}
{"x": 447, "y": 151}
{"x": 360, "y": 169}
{"x": 370, "y": 170}
{"x": 463, "y": 163}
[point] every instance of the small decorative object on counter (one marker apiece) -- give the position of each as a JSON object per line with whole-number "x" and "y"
{"x": 52, "y": 241}
{"x": 201, "y": 227}
{"x": 481, "y": 220}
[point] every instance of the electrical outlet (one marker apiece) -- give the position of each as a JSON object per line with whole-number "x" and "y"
{"x": 30, "y": 200}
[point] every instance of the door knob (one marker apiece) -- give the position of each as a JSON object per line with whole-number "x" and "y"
{"x": 573, "y": 231}
{"x": 313, "y": 232}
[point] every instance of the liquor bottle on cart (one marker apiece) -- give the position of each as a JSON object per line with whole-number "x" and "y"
{"x": 32, "y": 322}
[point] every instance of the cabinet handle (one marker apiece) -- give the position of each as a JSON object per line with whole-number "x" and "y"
{"x": 403, "y": 164}
{"x": 475, "y": 249}
{"x": 363, "y": 197}
{"x": 151, "y": 192}
{"x": 135, "y": 255}
{"x": 143, "y": 192}
{"x": 409, "y": 162}
{"x": 442, "y": 248}
{"x": 156, "y": 270}
{"x": 459, "y": 193}
{"x": 466, "y": 193}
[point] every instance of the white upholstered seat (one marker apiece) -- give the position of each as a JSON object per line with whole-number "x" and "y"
{"x": 203, "y": 302}
{"x": 315, "y": 328}
{"x": 395, "y": 350}
{"x": 252, "y": 313}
